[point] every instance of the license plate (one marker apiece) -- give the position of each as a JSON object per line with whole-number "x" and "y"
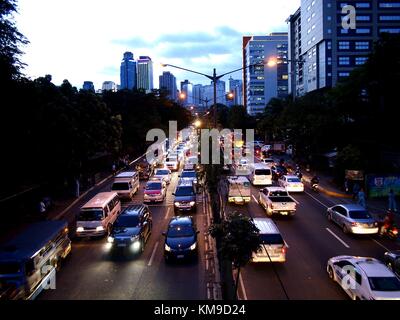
{"x": 284, "y": 213}
{"x": 181, "y": 256}
{"x": 121, "y": 245}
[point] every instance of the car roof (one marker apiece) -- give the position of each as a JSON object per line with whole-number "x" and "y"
{"x": 352, "y": 207}
{"x": 276, "y": 189}
{"x": 291, "y": 177}
{"x": 185, "y": 183}
{"x": 126, "y": 175}
{"x": 374, "y": 268}
{"x": 266, "y": 226}
{"x": 133, "y": 210}
{"x": 186, "y": 220}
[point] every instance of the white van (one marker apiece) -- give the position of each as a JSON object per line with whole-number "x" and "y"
{"x": 126, "y": 184}
{"x": 98, "y": 215}
{"x": 273, "y": 247}
{"x": 261, "y": 174}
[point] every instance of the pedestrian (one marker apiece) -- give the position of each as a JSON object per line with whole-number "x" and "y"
{"x": 356, "y": 190}
{"x": 361, "y": 198}
{"x": 392, "y": 201}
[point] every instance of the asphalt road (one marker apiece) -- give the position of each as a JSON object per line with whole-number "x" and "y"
{"x": 312, "y": 240}
{"x": 93, "y": 273}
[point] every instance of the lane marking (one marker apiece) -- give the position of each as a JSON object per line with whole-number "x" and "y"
{"x": 242, "y": 286}
{"x": 316, "y": 200}
{"x": 167, "y": 214}
{"x": 297, "y": 202}
{"x": 340, "y": 240}
{"x": 380, "y": 244}
{"x": 255, "y": 199}
{"x": 153, "y": 254}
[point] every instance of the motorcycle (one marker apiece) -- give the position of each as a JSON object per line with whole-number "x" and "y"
{"x": 391, "y": 232}
{"x": 315, "y": 187}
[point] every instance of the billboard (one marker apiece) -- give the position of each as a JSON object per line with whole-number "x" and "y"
{"x": 380, "y": 185}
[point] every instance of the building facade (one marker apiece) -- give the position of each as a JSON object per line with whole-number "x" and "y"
{"x": 236, "y": 87}
{"x": 262, "y": 82}
{"x": 109, "y": 86}
{"x": 145, "y": 74}
{"x": 323, "y": 50}
{"x": 198, "y": 95}
{"x": 168, "y": 83}
{"x": 128, "y": 72}
{"x": 88, "y": 86}
{"x": 187, "y": 90}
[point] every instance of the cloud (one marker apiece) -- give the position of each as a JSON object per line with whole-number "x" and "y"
{"x": 188, "y": 37}
{"x": 135, "y": 42}
{"x": 194, "y": 50}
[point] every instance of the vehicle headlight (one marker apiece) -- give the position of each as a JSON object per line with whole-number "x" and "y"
{"x": 167, "y": 248}
{"x": 193, "y": 246}
{"x": 176, "y": 204}
{"x": 100, "y": 228}
{"x": 110, "y": 239}
{"x": 136, "y": 246}
{"x": 80, "y": 229}
{"x": 192, "y": 203}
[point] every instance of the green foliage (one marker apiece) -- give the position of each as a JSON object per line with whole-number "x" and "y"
{"x": 239, "y": 238}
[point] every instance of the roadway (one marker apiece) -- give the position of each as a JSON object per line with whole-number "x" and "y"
{"x": 93, "y": 273}
{"x": 312, "y": 240}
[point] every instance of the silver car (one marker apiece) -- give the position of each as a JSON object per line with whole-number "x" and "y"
{"x": 353, "y": 218}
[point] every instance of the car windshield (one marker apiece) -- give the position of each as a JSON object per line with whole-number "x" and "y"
{"x": 293, "y": 180}
{"x": 359, "y": 214}
{"x": 273, "y": 238}
{"x": 180, "y": 231}
{"x": 154, "y": 186}
{"x": 171, "y": 159}
{"x": 188, "y": 174}
{"x": 162, "y": 172}
{"x": 384, "y": 283}
{"x": 120, "y": 186}
{"x": 278, "y": 193}
{"x": 184, "y": 191}
{"x": 10, "y": 268}
{"x": 90, "y": 215}
{"x": 269, "y": 160}
{"x": 127, "y": 222}
{"x": 262, "y": 172}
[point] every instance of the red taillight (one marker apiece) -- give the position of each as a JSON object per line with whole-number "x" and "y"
{"x": 271, "y": 206}
{"x": 395, "y": 231}
{"x": 284, "y": 250}
{"x": 354, "y": 224}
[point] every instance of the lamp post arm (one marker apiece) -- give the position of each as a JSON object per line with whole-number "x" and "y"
{"x": 192, "y": 71}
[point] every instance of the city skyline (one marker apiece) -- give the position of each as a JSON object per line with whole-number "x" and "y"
{"x": 184, "y": 40}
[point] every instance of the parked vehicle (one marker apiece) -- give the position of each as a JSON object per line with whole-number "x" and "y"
{"x": 185, "y": 196}
{"x": 392, "y": 261}
{"x": 364, "y": 278}
{"x": 98, "y": 215}
{"x": 155, "y": 190}
{"x": 164, "y": 174}
{"x": 260, "y": 174}
{"x": 180, "y": 238}
{"x": 353, "y": 218}
{"x": 29, "y": 261}
{"x": 276, "y": 200}
{"x": 239, "y": 190}
{"x": 126, "y": 184}
{"x": 291, "y": 183}
{"x": 132, "y": 229}
{"x": 273, "y": 247}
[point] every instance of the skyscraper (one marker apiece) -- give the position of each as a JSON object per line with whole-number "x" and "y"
{"x": 264, "y": 82}
{"x": 330, "y": 50}
{"x": 109, "y": 86}
{"x": 187, "y": 89}
{"x": 88, "y": 86}
{"x": 128, "y": 72}
{"x": 208, "y": 93}
{"x": 236, "y": 87}
{"x": 198, "y": 95}
{"x": 145, "y": 73}
{"x": 168, "y": 83}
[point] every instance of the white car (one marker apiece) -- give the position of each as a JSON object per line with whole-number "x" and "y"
{"x": 364, "y": 278}
{"x": 269, "y": 161}
{"x": 291, "y": 183}
{"x": 164, "y": 174}
{"x": 172, "y": 162}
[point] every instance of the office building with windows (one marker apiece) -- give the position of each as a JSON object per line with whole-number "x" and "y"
{"x": 235, "y": 87}
{"x": 323, "y": 50}
{"x": 145, "y": 74}
{"x": 168, "y": 83}
{"x": 263, "y": 82}
{"x": 187, "y": 90}
{"x": 128, "y": 72}
{"x": 88, "y": 86}
{"x": 109, "y": 86}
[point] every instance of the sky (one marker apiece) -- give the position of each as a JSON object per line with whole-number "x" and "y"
{"x": 84, "y": 40}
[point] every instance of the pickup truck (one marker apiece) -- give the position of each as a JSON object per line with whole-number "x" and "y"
{"x": 277, "y": 200}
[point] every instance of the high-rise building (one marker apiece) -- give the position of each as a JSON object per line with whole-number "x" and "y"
{"x": 198, "y": 95}
{"x": 264, "y": 82}
{"x": 168, "y": 83}
{"x": 109, "y": 86}
{"x": 128, "y": 72}
{"x": 323, "y": 50}
{"x": 145, "y": 73}
{"x": 88, "y": 86}
{"x": 208, "y": 93}
{"x": 187, "y": 90}
{"x": 236, "y": 87}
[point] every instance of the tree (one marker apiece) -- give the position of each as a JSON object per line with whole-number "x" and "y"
{"x": 239, "y": 240}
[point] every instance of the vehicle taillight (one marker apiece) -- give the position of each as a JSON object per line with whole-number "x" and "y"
{"x": 284, "y": 250}
{"x": 271, "y": 206}
{"x": 354, "y": 224}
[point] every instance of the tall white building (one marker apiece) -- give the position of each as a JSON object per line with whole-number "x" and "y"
{"x": 109, "y": 86}
{"x": 145, "y": 73}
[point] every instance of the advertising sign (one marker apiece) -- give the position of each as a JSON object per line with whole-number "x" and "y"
{"x": 380, "y": 185}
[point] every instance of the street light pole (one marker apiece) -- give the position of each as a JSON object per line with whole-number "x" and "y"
{"x": 215, "y": 97}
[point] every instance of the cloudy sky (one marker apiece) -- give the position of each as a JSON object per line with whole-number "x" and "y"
{"x": 83, "y": 40}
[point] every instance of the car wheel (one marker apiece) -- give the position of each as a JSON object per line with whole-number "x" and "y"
{"x": 345, "y": 230}
{"x": 329, "y": 217}
{"x": 331, "y": 274}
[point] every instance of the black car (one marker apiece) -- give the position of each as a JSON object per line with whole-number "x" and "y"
{"x": 278, "y": 172}
{"x": 185, "y": 196}
{"x": 392, "y": 260}
{"x": 180, "y": 238}
{"x": 132, "y": 229}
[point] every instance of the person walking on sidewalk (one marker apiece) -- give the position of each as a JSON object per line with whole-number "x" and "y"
{"x": 392, "y": 201}
{"x": 361, "y": 198}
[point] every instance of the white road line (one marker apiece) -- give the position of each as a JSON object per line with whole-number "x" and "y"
{"x": 254, "y": 198}
{"x": 380, "y": 244}
{"x": 167, "y": 214}
{"x": 317, "y": 200}
{"x": 243, "y": 288}
{"x": 295, "y": 199}
{"x": 340, "y": 240}
{"x": 153, "y": 254}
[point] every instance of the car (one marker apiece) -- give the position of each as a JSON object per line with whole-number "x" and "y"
{"x": 132, "y": 229}
{"x": 185, "y": 196}
{"x": 189, "y": 175}
{"x": 392, "y": 260}
{"x": 278, "y": 172}
{"x": 268, "y": 161}
{"x": 155, "y": 190}
{"x": 353, "y": 218}
{"x": 291, "y": 183}
{"x": 180, "y": 238}
{"x": 172, "y": 162}
{"x": 164, "y": 174}
{"x": 364, "y": 278}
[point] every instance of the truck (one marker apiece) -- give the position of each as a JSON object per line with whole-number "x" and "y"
{"x": 29, "y": 261}
{"x": 276, "y": 200}
{"x": 239, "y": 190}
{"x": 273, "y": 148}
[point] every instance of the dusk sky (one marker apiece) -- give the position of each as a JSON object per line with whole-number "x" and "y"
{"x": 85, "y": 39}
